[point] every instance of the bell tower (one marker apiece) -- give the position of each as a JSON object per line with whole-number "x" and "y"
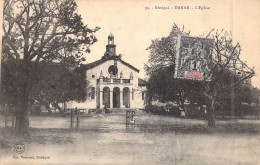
{"x": 111, "y": 47}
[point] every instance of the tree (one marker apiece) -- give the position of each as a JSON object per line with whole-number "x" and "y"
{"x": 160, "y": 69}
{"x": 57, "y": 84}
{"x": 255, "y": 98}
{"x": 228, "y": 72}
{"x": 163, "y": 51}
{"x": 42, "y": 30}
{"x": 164, "y": 87}
{"x": 51, "y": 83}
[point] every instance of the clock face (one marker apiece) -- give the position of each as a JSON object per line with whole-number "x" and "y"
{"x": 112, "y": 50}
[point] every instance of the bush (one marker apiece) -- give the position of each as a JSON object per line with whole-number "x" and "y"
{"x": 193, "y": 111}
{"x": 35, "y": 109}
{"x": 168, "y": 109}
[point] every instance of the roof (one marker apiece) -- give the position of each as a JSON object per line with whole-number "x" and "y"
{"x": 111, "y": 35}
{"x": 142, "y": 82}
{"x": 101, "y": 61}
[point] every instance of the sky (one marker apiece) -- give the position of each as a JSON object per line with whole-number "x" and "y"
{"x": 134, "y": 27}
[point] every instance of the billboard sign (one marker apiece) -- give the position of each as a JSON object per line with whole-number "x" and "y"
{"x": 194, "y": 58}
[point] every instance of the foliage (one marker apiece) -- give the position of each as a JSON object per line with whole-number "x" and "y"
{"x": 45, "y": 30}
{"x": 42, "y": 31}
{"x": 163, "y": 51}
{"x": 160, "y": 69}
{"x": 57, "y": 84}
{"x": 228, "y": 72}
{"x": 165, "y": 88}
{"x": 50, "y": 83}
{"x": 169, "y": 109}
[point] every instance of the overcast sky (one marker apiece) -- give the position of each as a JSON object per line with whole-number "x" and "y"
{"x": 134, "y": 27}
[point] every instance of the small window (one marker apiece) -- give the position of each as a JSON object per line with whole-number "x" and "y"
{"x": 93, "y": 76}
{"x": 142, "y": 95}
{"x": 92, "y": 92}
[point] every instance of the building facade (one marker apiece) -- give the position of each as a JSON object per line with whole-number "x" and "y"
{"x": 113, "y": 83}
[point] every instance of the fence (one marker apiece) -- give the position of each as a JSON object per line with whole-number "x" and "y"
{"x": 75, "y": 114}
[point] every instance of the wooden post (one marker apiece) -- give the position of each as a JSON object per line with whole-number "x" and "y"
{"x": 13, "y": 121}
{"x": 6, "y": 120}
{"x": 72, "y": 118}
{"x": 78, "y": 118}
{"x": 77, "y": 124}
{"x": 257, "y": 106}
{"x": 6, "y": 115}
{"x": 134, "y": 116}
{"x": 126, "y": 118}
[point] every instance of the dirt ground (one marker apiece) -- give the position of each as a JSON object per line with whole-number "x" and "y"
{"x": 106, "y": 139}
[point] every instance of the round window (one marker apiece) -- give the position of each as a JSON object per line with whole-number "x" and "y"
{"x": 113, "y": 70}
{"x": 93, "y": 76}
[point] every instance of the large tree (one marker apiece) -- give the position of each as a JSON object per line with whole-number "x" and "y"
{"x": 160, "y": 69}
{"x": 38, "y": 31}
{"x": 228, "y": 72}
{"x": 50, "y": 84}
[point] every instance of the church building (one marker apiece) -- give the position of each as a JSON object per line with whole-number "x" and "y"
{"x": 113, "y": 83}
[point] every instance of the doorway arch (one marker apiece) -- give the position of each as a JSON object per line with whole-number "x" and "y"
{"x": 106, "y": 97}
{"x": 116, "y": 97}
{"x": 126, "y": 97}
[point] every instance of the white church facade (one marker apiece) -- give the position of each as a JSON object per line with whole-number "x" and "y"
{"x": 113, "y": 83}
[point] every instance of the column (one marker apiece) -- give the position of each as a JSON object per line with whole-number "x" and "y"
{"x": 121, "y": 99}
{"x": 130, "y": 98}
{"x": 101, "y": 99}
{"x": 111, "y": 98}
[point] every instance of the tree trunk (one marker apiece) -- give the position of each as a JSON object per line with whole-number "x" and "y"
{"x": 65, "y": 106}
{"x": 223, "y": 115}
{"x": 22, "y": 123}
{"x": 181, "y": 103}
{"x": 58, "y": 107}
{"x": 22, "y": 108}
{"x": 183, "y": 106}
{"x": 48, "y": 108}
{"x": 211, "y": 114}
{"x": 223, "y": 112}
{"x": 22, "y": 100}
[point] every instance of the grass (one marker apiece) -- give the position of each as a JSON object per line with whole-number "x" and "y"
{"x": 105, "y": 139}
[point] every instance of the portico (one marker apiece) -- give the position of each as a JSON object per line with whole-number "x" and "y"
{"x": 115, "y": 96}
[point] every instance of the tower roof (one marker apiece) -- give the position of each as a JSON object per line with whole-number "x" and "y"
{"x": 111, "y": 35}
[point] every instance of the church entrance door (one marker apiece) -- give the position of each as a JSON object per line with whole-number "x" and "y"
{"x": 116, "y": 97}
{"x": 106, "y": 97}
